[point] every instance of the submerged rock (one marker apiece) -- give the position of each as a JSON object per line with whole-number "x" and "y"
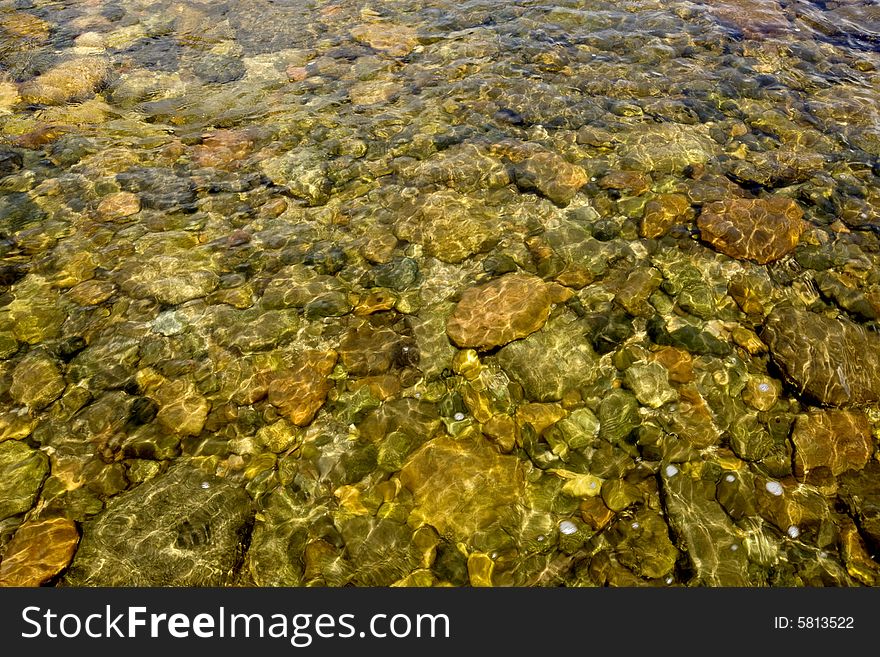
{"x": 38, "y": 552}
{"x": 461, "y": 486}
{"x": 642, "y": 544}
{"x": 757, "y": 229}
{"x": 832, "y": 361}
{"x": 551, "y": 362}
{"x": 388, "y": 38}
{"x": 72, "y": 80}
{"x": 498, "y": 312}
{"x": 22, "y": 471}
{"x": 551, "y": 176}
{"x": 170, "y": 279}
{"x": 36, "y": 382}
{"x": 182, "y": 528}
{"x": 650, "y": 383}
{"x": 450, "y": 226}
{"x": 860, "y": 491}
{"x": 707, "y": 533}
{"x": 839, "y": 440}
{"x": 304, "y": 172}
{"x": 299, "y": 393}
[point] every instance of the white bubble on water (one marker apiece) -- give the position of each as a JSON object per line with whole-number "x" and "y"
{"x": 793, "y": 532}
{"x": 774, "y": 488}
{"x": 567, "y": 527}
{"x": 671, "y": 471}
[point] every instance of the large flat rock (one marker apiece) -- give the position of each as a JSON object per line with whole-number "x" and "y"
{"x": 832, "y": 361}
{"x": 183, "y": 528}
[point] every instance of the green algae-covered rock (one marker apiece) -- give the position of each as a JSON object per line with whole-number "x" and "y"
{"x": 860, "y": 491}
{"x": 833, "y": 361}
{"x": 618, "y": 415}
{"x": 642, "y": 544}
{"x": 304, "y": 172}
{"x": 450, "y": 226}
{"x": 705, "y": 531}
{"x": 650, "y": 383}
{"x": 36, "y": 381}
{"x": 551, "y": 362}
{"x": 171, "y": 278}
{"x": 22, "y": 471}
{"x": 281, "y": 531}
{"x": 182, "y": 528}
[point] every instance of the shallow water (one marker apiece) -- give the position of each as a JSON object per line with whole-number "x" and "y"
{"x": 439, "y": 293}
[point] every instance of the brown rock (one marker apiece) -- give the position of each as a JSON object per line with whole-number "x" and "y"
{"x": 835, "y": 439}
{"x": 393, "y": 40}
{"x": 761, "y": 229}
{"x": 595, "y": 513}
{"x": 664, "y": 212}
{"x": 632, "y": 182}
{"x": 38, "y": 551}
{"x": 367, "y": 350}
{"x": 540, "y": 416}
{"x": 551, "y": 176}
{"x": 119, "y": 206}
{"x": 299, "y": 393}
{"x": 71, "y": 80}
{"x": 678, "y": 362}
{"x": 503, "y": 310}
{"x": 222, "y": 149}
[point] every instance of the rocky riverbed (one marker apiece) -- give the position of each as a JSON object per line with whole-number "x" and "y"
{"x": 327, "y": 293}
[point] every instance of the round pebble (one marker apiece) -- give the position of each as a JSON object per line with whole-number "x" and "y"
{"x": 458, "y": 417}
{"x": 206, "y": 485}
{"x": 793, "y": 532}
{"x": 734, "y": 547}
{"x": 635, "y": 525}
{"x": 729, "y": 478}
{"x": 671, "y": 471}
{"x": 774, "y": 488}
{"x": 567, "y": 527}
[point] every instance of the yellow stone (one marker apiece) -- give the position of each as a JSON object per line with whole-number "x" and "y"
{"x": 501, "y": 429}
{"x": 467, "y": 363}
{"x": 580, "y": 485}
{"x": 480, "y": 569}
{"x": 540, "y": 416}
